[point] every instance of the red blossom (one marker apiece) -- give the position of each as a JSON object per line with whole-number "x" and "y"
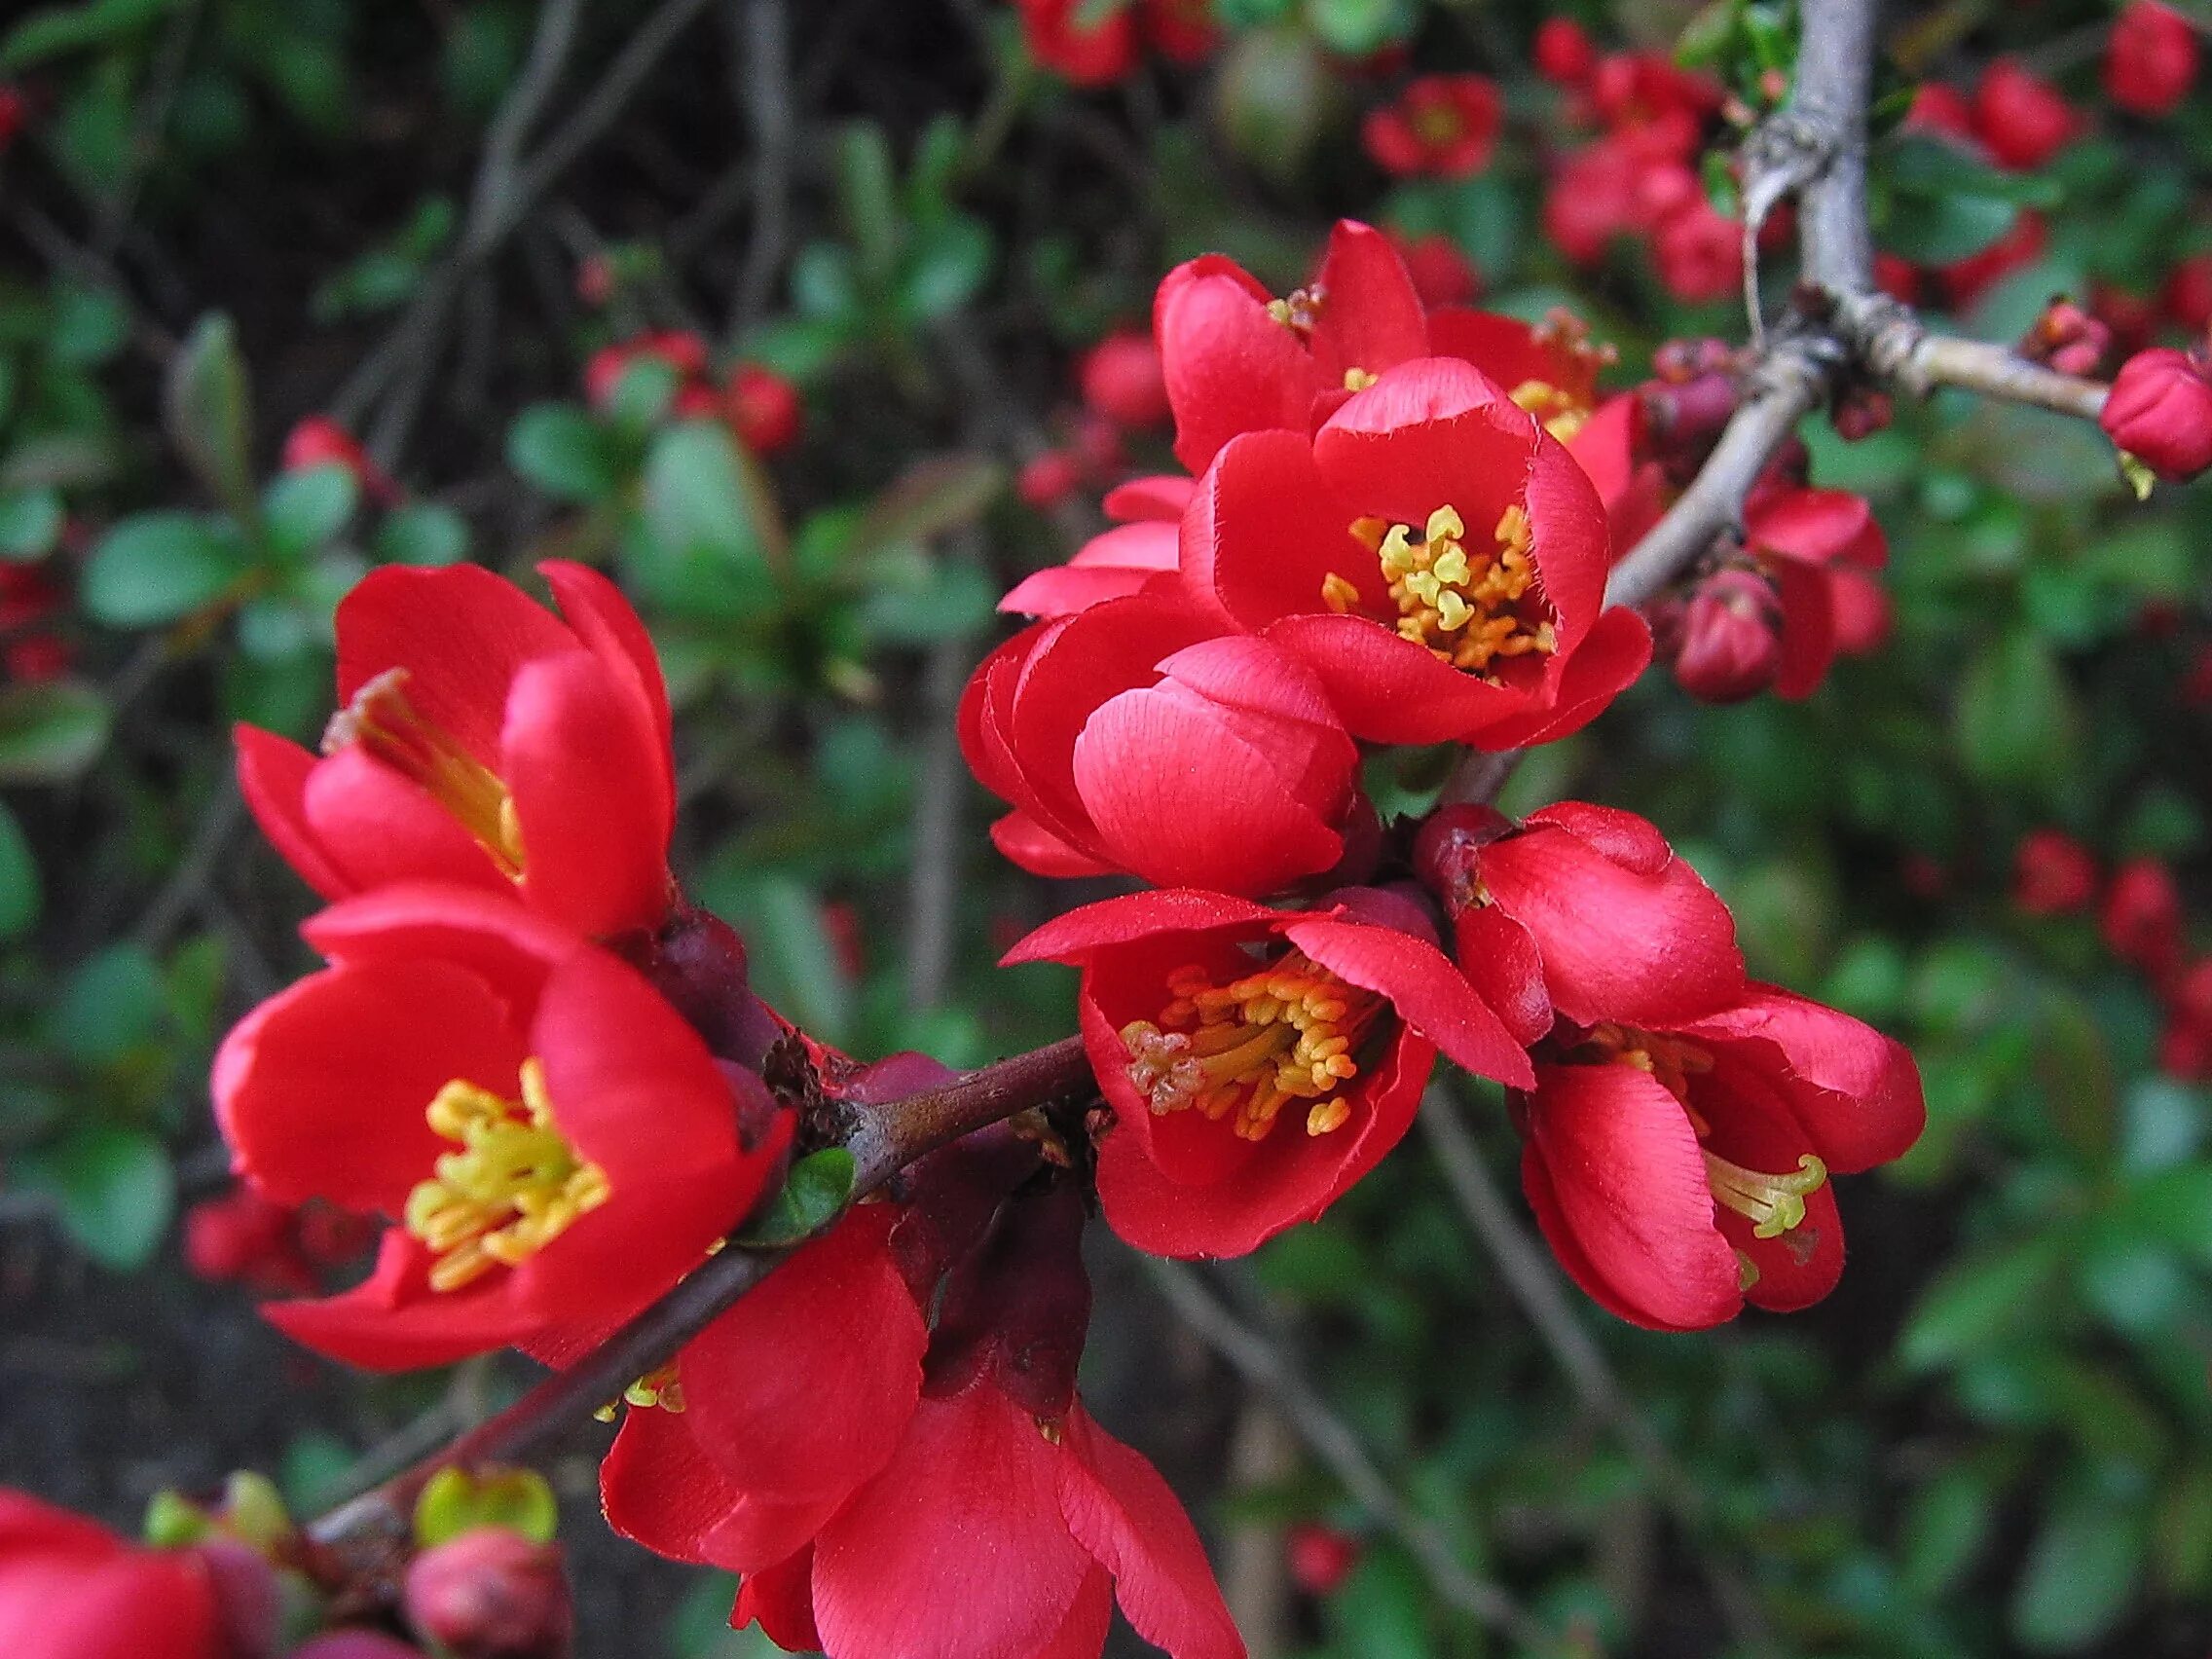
{"x": 491, "y": 1594}
{"x": 1062, "y": 35}
{"x": 2141, "y": 917}
{"x": 2052, "y": 873}
{"x": 1819, "y": 546}
{"x": 1047, "y": 479}
{"x": 683, "y": 352}
{"x": 1442, "y": 275}
{"x": 1442, "y": 127}
{"x": 1133, "y": 736}
{"x": 1942, "y": 109}
{"x": 551, "y": 1145}
{"x": 1581, "y": 912}
{"x": 320, "y": 441}
{"x": 1321, "y": 1558}
{"x": 1700, "y": 253}
{"x": 70, "y": 1589}
{"x": 1646, "y": 93}
{"x": 483, "y": 741}
{"x": 1726, "y": 643}
{"x": 763, "y": 408}
{"x": 2160, "y": 409}
{"x": 1139, "y": 550}
{"x": 1121, "y": 382}
{"x": 1181, "y": 31}
{"x": 2151, "y": 58}
{"x": 2186, "y": 297}
{"x": 1434, "y": 556}
{"x": 1679, "y": 1172}
{"x": 1563, "y": 53}
{"x": 1175, "y": 1007}
{"x": 2022, "y": 119}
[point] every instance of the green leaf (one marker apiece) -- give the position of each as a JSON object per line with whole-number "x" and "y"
{"x": 19, "y": 879}
{"x": 868, "y": 196}
{"x": 2081, "y": 1570}
{"x": 811, "y": 1197}
{"x": 564, "y": 452}
{"x": 455, "y": 1501}
{"x": 2014, "y": 719}
{"x": 109, "y": 1006}
{"x": 30, "y": 523}
{"x": 210, "y": 414}
{"x": 951, "y": 263}
{"x": 1978, "y": 1300}
{"x": 67, "y": 28}
{"x": 155, "y": 568}
{"x": 1945, "y": 1527}
{"x": 702, "y": 502}
{"x": 51, "y": 732}
{"x": 935, "y": 495}
{"x": 302, "y": 510}
{"x": 112, "y": 1188}
{"x": 794, "y": 960}
{"x": 422, "y": 532}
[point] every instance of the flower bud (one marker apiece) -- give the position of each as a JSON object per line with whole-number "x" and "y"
{"x": 248, "y": 1605}
{"x": 492, "y": 1593}
{"x": 2052, "y": 873}
{"x": 1730, "y": 644}
{"x": 2020, "y": 117}
{"x": 697, "y": 962}
{"x": 1049, "y": 479}
{"x": 1564, "y": 53}
{"x": 1445, "y": 850}
{"x": 245, "y": 1237}
{"x": 2140, "y": 917}
{"x": 2068, "y": 338}
{"x": 320, "y": 441}
{"x": 2160, "y": 409}
{"x": 1321, "y": 1558}
{"x": 1121, "y": 380}
{"x": 2151, "y": 60}
{"x": 763, "y": 408}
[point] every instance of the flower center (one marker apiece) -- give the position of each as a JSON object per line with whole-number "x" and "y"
{"x": 381, "y": 720}
{"x": 1299, "y": 310}
{"x": 1437, "y": 123}
{"x": 1244, "y": 1050}
{"x": 1558, "y": 411}
{"x": 514, "y": 1187}
{"x": 1774, "y": 1204}
{"x": 1469, "y": 605}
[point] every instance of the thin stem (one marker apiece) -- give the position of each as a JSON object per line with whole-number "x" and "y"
{"x": 1275, "y": 1373}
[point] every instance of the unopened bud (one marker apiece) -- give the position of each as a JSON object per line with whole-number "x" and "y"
{"x": 248, "y": 1605}
{"x": 1445, "y": 850}
{"x": 492, "y": 1593}
{"x": 2067, "y": 337}
{"x": 1730, "y": 644}
{"x": 1321, "y": 1558}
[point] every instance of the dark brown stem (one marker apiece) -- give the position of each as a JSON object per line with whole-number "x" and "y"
{"x": 365, "y": 1540}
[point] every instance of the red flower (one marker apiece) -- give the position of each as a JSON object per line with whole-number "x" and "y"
{"x": 1062, "y": 35}
{"x": 2052, "y": 873}
{"x": 1644, "y": 93}
{"x": 1442, "y": 126}
{"x": 1435, "y": 557}
{"x": 886, "y": 1487}
{"x": 1942, "y": 109}
{"x": 2184, "y": 1047}
{"x": 1208, "y": 1018}
{"x": 491, "y": 1594}
{"x": 1699, "y": 253}
{"x": 1726, "y": 642}
{"x": 1132, "y": 737}
{"x": 1181, "y": 31}
{"x": 1442, "y": 275}
{"x": 763, "y": 408}
{"x": 1121, "y": 381}
{"x": 2021, "y": 118}
{"x": 484, "y": 741}
{"x": 2187, "y": 294}
{"x": 2160, "y": 409}
{"x": 70, "y": 1589}
{"x": 1048, "y": 478}
{"x": 28, "y": 596}
{"x": 2151, "y": 62}
{"x": 242, "y": 1236}
{"x": 1236, "y": 359}
{"x": 320, "y": 441}
{"x": 1677, "y": 1172}
{"x": 1564, "y": 53}
{"x": 2141, "y": 917}
{"x": 1581, "y": 912}
{"x": 1141, "y": 546}
{"x": 1321, "y": 1558}
{"x": 682, "y": 352}
{"x": 552, "y": 1145}
{"x": 1811, "y": 541}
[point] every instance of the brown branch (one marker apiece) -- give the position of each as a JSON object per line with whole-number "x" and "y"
{"x": 366, "y": 1537}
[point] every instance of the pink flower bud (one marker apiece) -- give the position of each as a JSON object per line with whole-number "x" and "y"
{"x": 2052, "y": 873}
{"x": 1731, "y": 637}
{"x": 1121, "y": 380}
{"x": 763, "y": 408}
{"x": 2160, "y": 411}
{"x": 1321, "y": 1558}
{"x": 1564, "y": 53}
{"x": 492, "y": 1593}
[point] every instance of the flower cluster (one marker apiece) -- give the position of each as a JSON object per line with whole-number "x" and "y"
{"x": 760, "y": 407}
{"x": 1400, "y": 533}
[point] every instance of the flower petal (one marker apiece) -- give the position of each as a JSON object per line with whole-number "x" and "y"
{"x": 273, "y": 775}
{"x": 1430, "y": 995}
{"x": 1371, "y": 318}
{"x": 1080, "y": 932}
{"x": 1229, "y": 367}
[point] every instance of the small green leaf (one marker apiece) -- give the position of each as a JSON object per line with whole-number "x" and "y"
{"x": 155, "y": 568}
{"x": 302, "y": 510}
{"x": 52, "y": 732}
{"x": 564, "y": 452}
{"x": 111, "y": 1004}
{"x": 30, "y": 523}
{"x": 211, "y": 415}
{"x": 809, "y": 1200}
{"x": 457, "y": 1501}
{"x": 67, "y": 29}
{"x": 2081, "y": 1570}
{"x": 113, "y": 1188}
{"x": 2015, "y": 720}
{"x": 19, "y": 879}
{"x": 422, "y": 532}
{"x": 173, "y": 1522}
{"x": 1978, "y": 1300}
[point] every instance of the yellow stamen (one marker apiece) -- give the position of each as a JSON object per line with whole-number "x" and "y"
{"x": 1244, "y": 1050}
{"x": 515, "y": 1186}
{"x": 1300, "y": 309}
{"x": 1359, "y": 379}
{"x": 1773, "y": 1203}
{"x": 1470, "y": 606}
{"x": 381, "y": 720}
{"x": 1558, "y": 411}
